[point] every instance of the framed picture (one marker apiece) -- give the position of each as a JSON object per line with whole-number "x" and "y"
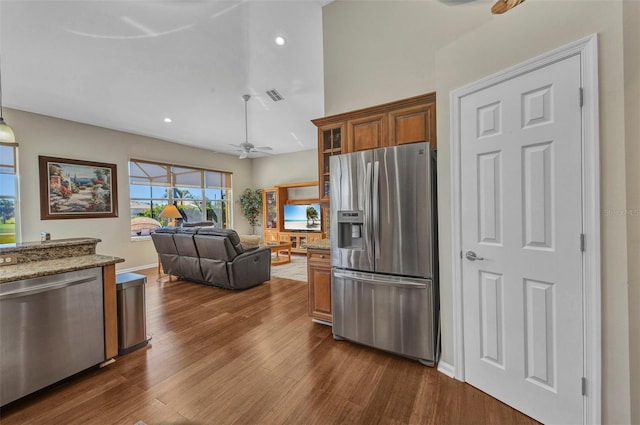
{"x": 71, "y": 188}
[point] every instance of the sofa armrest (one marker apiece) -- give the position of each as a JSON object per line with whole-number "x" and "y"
{"x": 250, "y": 268}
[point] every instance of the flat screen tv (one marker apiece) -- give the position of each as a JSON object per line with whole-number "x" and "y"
{"x": 302, "y": 218}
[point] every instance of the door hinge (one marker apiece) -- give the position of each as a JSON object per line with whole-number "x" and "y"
{"x": 582, "y": 242}
{"x": 581, "y": 97}
{"x": 584, "y": 386}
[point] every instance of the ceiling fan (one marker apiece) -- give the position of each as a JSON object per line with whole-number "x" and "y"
{"x": 247, "y": 148}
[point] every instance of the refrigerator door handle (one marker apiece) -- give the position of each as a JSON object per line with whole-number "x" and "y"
{"x": 376, "y": 209}
{"x": 377, "y": 279}
{"x": 367, "y": 211}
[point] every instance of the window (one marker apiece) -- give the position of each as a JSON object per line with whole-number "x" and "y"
{"x": 202, "y": 195}
{"x": 8, "y": 193}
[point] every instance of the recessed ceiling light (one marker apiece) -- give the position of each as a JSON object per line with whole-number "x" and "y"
{"x": 168, "y": 120}
{"x": 280, "y": 41}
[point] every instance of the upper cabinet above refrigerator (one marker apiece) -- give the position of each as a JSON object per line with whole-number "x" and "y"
{"x": 411, "y": 120}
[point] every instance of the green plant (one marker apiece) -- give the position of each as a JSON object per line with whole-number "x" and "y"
{"x": 251, "y": 206}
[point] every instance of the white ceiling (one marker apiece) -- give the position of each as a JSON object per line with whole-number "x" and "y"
{"x": 128, "y": 64}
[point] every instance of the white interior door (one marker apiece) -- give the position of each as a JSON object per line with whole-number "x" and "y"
{"x": 521, "y": 214}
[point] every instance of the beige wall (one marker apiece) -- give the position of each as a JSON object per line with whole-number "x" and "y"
{"x": 377, "y": 52}
{"x": 467, "y": 51}
{"x": 41, "y": 135}
{"x": 294, "y": 167}
{"x": 288, "y": 168}
{"x": 631, "y": 21}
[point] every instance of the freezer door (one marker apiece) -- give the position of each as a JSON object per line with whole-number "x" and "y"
{"x": 402, "y": 209}
{"x": 390, "y": 313}
{"x": 351, "y": 180}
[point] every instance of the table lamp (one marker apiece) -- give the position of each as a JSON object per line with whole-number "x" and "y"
{"x": 171, "y": 212}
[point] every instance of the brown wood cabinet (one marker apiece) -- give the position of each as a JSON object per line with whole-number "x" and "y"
{"x": 110, "y": 311}
{"x": 319, "y": 279}
{"x": 410, "y": 120}
{"x": 298, "y": 239}
{"x": 366, "y": 133}
{"x": 273, "y": 201}
{"x": 412, "y": 125}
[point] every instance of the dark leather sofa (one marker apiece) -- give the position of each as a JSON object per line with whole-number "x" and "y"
{"x": 211, "y": 256}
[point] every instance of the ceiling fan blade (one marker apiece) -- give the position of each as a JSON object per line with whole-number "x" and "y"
{"x": 263, "y": 148}
{"x": 502, "y": 6}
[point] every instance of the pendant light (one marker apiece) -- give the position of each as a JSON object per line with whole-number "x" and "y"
{"x": 6, "y": 133}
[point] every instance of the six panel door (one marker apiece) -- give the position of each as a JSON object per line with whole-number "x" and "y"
{"x": 521, "y": 228}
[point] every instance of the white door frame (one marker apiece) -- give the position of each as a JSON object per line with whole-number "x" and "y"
{"x": 587, "y": 50}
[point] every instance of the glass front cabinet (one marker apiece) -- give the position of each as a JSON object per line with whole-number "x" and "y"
{"x": 270, "y": 214}
{"x": 331, "y": 138}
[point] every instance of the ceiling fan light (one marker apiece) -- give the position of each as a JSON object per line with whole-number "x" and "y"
{"x": 243, "y": 154}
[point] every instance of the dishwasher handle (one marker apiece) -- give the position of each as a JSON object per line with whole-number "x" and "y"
{"x": 23, "y": 292}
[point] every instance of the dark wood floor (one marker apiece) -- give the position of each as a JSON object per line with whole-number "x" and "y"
{"x": 254, "y": 357}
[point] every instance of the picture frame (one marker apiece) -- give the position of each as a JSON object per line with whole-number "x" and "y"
{"x": 72, "y": 188}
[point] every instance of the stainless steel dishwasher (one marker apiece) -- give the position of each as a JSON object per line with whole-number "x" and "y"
{"x": 51, "y": 327}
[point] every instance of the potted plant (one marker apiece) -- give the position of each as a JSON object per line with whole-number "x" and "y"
{"x": 251, "y": 207}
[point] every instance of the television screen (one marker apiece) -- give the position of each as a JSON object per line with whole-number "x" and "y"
{"x": 304, "y": 218}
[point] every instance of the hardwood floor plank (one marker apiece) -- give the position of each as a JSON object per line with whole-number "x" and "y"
{"x": 253, "y": 357}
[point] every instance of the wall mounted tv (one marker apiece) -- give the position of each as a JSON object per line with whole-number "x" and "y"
{"x": 302, "y": 218}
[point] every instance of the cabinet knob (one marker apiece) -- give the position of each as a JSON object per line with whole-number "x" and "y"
{"x": 322, "y": 256}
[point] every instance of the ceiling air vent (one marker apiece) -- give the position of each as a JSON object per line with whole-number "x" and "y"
{"x": 274, "y": 95}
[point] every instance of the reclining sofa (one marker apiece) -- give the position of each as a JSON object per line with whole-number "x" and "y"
{"x": 211, "y": 256}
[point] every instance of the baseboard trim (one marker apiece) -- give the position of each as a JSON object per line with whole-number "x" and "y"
{"x": 447, "y": 369}
{"x": 134, "y": 269}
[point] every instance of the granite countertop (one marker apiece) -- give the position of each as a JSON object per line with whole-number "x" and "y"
{"x": 321, "y": 244}
{"x": 28, "y": 246}
{"x": 60, "y": 265}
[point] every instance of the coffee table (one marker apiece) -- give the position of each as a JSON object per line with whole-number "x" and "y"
{"x": 275, "y": 248}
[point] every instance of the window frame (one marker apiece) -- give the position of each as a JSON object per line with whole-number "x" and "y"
{"x": 175, "y": 189}
{"x": 16, "y": 189}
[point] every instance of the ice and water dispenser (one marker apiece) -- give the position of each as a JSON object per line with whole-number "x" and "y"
{"x": 350, "y": 229}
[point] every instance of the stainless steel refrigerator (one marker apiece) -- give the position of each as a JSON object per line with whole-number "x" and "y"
{"x": 383, "y": 250}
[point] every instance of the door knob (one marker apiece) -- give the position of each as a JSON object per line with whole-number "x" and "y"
{"x": 471, "y": 256}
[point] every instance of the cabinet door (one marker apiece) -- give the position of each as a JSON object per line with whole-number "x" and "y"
{"x": 270, "y": 236}
{"x": 366, "y": 133}
{"x": 319, "y": 278}
{"x": 284, "y": 237}
{"x": 412, "y": 125}
{"x": 270, "y": 209}
{"x": 329, "y": 144}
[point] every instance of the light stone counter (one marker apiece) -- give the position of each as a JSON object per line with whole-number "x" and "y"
{"x": 60, "y": 265}
{"x": 321, "y": 244}
{"x": 27, "y": 252}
